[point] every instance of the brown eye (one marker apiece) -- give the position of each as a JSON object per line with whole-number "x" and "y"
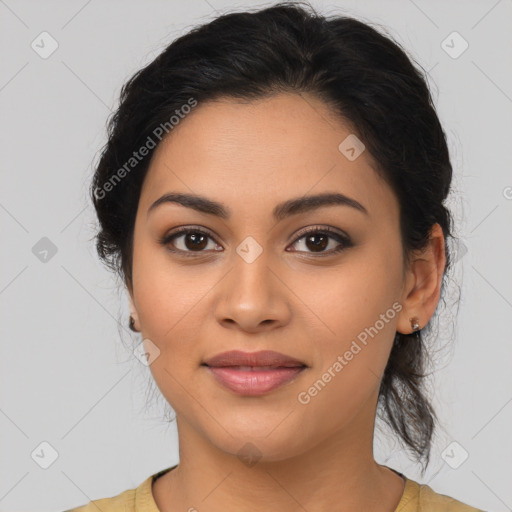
{"x": 189, "y": 240}
{"x": 195, "y": 241}
{"x": 316, "y": 240}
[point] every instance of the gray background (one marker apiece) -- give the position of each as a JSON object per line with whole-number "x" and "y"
{"x": 65, "y": 376}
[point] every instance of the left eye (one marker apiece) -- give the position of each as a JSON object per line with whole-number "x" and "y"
{"x": 316, "y": 240}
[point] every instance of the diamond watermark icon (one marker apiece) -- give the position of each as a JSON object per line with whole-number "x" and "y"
{"x": 44, "y": 455}
{"x": 44, "y": 45}
{"x": 146, "y": 352}
{"x": 249, "y": 454}
{"x": 351, "y": 147}
{"x": 454, "y": 455}
{"x": 249, "y": 250}
{"x": 44, "y": 250}
{"x": 454, "y": 45}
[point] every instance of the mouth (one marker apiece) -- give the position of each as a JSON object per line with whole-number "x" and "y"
{"x": 253, "y": 373}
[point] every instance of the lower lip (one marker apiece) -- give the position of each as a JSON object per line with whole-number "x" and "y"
{"x": 252, "y": 383}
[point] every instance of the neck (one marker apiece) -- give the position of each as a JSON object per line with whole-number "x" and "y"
{"x": 339, "y": 473}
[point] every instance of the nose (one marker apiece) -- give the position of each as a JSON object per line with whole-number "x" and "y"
{"x": 252, "y": 297}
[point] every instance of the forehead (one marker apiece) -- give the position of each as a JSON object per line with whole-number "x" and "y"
{"x": 252, "y": 155}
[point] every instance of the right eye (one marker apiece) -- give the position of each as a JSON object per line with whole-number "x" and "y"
{"x": 193, "y": 240}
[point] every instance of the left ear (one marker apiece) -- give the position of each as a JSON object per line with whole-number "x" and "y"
{"x": 423, "y": 282}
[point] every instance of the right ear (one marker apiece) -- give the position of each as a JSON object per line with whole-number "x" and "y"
{"x": 133, "y": 313}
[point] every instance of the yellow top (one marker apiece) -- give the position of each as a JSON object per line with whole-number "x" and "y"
{"x": 416, "y": 498}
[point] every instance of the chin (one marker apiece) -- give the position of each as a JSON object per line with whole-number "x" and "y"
{"x": 252, "y": 446}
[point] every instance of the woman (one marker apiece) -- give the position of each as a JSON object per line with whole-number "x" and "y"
{"x": 271, "y": 194}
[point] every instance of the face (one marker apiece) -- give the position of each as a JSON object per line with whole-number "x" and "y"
{"x": 255, "y": 281}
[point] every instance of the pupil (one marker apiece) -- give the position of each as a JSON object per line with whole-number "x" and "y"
{"x": 321, "y": 245}
{"x": 198, "y": 240}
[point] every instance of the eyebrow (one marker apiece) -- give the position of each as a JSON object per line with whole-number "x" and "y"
{"x": 281, "y": 211}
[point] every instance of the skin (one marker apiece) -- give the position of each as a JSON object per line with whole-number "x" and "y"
{"x": 250, "y": 156}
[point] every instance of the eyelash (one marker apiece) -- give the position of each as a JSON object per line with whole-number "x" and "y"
{"x": 344, "y": 240}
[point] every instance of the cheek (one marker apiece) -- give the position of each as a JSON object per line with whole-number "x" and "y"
{"x": 357, "y": 308}
{"x": 171, "y": 306}
{"x": 352, "y": 298}
{"x": 350, "y": 363}
{"x": 168, "y": 295}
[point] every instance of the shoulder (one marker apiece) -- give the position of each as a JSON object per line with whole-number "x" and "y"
{"x": 132, "y": 500}
{"x": 420, "y": 497}
{"x": 123, "y": 502}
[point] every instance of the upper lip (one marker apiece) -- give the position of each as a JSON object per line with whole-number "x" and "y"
{"x": 262, "y": 358}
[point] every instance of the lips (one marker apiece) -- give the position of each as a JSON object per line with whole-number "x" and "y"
{"x": 253, "y": 373}
{"x": 262, "y": 360}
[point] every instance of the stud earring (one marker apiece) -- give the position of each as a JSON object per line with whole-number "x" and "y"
{"x": 414, "y": 324}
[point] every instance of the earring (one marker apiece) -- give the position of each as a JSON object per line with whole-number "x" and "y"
{"x": 131, "y": 325}
{"x": 414, "y": 324}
